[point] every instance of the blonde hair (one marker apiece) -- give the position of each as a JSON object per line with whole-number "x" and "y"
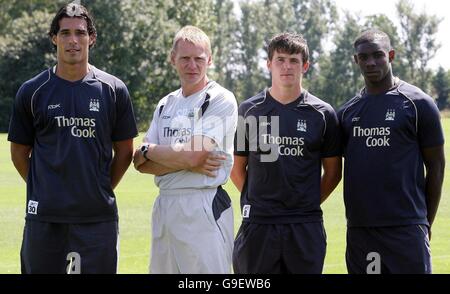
{"x": 194, "y": 35}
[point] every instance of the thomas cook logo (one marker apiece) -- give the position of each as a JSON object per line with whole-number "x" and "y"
{"x": 301, "y": 125}
{"x": 80, "y": 127}
{"x": 94, "y": 105}
{"x": 390, "y": 114}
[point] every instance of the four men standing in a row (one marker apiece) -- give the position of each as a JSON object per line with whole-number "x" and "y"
{"x": 71, "y": 136}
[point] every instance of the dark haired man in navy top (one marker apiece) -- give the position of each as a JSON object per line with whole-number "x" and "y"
{"x": 285, "y": 137}
{"x": 391, "y": 133}
{"x": 65, "y": 123}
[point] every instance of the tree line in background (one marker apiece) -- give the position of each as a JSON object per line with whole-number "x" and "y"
{"x": 134, "y": 38}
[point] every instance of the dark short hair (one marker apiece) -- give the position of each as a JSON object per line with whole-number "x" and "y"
{"x": 288, "y": 43}
{"x": 73, "y": 10}
{"x": 373, "y": 36}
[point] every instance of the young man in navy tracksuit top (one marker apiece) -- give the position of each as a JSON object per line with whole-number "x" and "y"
{"x": 65, "y": 123}
{"x": 285, "y": 137}
{"x": 394, "y": 166}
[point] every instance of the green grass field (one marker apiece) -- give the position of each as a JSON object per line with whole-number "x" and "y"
{"x": 136, "y": 194}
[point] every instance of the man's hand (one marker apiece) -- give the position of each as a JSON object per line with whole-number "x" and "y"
{"x": 197, "y": 155}
{"x": 138, "y": 159}
{"x": 209, "y": 164}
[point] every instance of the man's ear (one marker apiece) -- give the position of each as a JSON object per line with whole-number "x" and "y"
{"x": 209, "y": 60}
{"x": 269, "y": 65}
{"x": 305, "y": 67}
{"x": 355, "y": 58}
{"x": 54, "y": 40}
{"x": 391, "y": 55}
{"x": 92, "y": 39}
{"x": 172, "y": 58}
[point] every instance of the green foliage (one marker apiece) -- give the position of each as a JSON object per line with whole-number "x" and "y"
{"x": 225, "y": 44}
{"x": 191, "y": 12}
{"x": 441, "y": 84}
{"x": 262, "y": 19}
{"x": 133, "y": 41}
{"x": 419, "y": 38}
{"x": 13, "y": 9}
{"x": 339, "y": 79}
{"x": 25, "y": 51}
{"x": 315, "y": 19}
{"x": 250, "y": 75}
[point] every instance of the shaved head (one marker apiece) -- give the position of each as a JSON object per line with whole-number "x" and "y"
{"x": 374, "y": 36}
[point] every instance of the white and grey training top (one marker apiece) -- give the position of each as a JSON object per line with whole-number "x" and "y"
{"x": 211, "y": 112}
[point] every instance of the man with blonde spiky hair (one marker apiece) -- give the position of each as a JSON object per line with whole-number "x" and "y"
{"x": 193, "y": 35}
{"x": 189, "y": 149}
